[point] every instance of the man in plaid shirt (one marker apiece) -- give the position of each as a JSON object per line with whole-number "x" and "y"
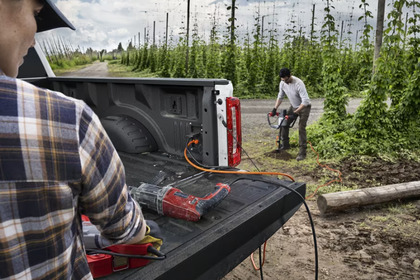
{"x": 56, "y": 163}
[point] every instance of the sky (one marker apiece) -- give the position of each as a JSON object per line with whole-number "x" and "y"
{"x": 103, "y": 24}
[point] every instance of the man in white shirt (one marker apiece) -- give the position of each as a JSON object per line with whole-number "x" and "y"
{"x": 300, "y": 104}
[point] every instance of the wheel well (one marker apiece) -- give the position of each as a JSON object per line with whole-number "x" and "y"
{"x": 129, "y": 135}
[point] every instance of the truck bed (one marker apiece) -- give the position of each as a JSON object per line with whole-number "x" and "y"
{"x": 173, "y": 111}
{"x": 224, "y": 237}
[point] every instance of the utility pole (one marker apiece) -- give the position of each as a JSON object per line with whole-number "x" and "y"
{"x": 405, "y": 30}
{"x": 232, "y": 24}
{"x": 357, "y": 37}
{"x": 262, "y": 26}
{"x": 312, "y": 24}
{"x": 379, "y": 30}
{"x": 139, "y": 39}
{"x": 188, "y": 37}
{"x": 154, "y": 28}
{"x": 166, "y": 39}
{"x": 262, "y": 29}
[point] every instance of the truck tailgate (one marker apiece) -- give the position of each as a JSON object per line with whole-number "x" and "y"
{"x": 224, "y": 237}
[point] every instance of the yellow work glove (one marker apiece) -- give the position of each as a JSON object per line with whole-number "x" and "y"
{"x": 153, "y": 235}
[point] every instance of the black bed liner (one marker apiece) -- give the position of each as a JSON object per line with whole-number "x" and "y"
{"x": 210, "y": 248}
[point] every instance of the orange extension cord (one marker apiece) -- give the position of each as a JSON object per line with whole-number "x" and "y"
{"x": 231, "y": 172}
{"x": 265, "y": 173}
{"x": 339, "y": 180}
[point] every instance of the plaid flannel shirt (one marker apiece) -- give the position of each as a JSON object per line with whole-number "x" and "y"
{"x": 56, "y": 162}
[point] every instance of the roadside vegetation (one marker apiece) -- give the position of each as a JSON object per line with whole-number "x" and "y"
{"x": 63, "y": 57}
{"x": 386, "y": 125}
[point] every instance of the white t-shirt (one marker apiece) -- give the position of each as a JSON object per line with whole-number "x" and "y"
{"x": 295, "y": 91}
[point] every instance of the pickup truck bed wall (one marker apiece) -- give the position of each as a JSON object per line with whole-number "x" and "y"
{"x": 172, "y": 110}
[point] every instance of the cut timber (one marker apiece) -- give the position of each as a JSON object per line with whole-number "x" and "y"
{"x": 342, "y": 200}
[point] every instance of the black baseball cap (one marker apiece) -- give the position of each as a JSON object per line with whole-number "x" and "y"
{"x": 50, "y": 17}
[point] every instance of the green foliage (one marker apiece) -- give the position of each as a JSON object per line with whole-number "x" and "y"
{"x": 333, "y": 84}
{"x": 365, "y": 56}
{"x": 229, "y": 56}
{"x": 386, "y": 124}
{"x": 213, "y": 55}
{"x": 179, "y": 60}
{"x": 196, "y": 64}
{"x": 329, "y": 69}
{"x": 378, "y": 129}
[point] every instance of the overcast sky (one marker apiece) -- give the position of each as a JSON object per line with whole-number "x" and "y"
{"x": 102, "y": 24}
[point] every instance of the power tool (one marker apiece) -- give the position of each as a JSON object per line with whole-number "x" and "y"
{"x": 283, "y": 120}
{"x": 104, "y": 258}
{"x": 172, "y": 202}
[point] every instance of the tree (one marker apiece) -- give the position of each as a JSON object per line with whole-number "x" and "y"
{"x": 120, "y": 48}
{"x": 130, "y": 47}
{"x": 101, "y": 53}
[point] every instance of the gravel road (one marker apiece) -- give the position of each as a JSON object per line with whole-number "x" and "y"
{"x": 97, "y": 69}
{"x": 254, "y": 111}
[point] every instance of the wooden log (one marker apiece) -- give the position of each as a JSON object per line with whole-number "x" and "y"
{"x": 343, "y": 200}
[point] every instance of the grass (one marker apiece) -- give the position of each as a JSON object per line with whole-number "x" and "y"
{"x": 116, "y": 69}
{"x": 396, "y": 219}
{"x": 263, "y": 155}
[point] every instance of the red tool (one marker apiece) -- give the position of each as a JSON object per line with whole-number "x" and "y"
{"x": 283, "y": 119}
{"x": 174, "y": 203}
{"x": 113, "y": 258}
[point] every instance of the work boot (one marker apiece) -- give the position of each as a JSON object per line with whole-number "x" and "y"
{"x": 301, "y": 155}
{"x": 285, "y": 146}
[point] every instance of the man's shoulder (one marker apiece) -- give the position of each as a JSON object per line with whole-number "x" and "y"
{"x": 297, "y": 80}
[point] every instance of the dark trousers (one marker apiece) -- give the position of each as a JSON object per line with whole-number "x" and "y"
{"x": 303, "y": 120}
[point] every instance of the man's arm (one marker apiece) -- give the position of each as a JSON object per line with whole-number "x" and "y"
{"x": 303, "y": 95}
{"x": 104, "y": 196}
{"x": 301, "y": 106}
{"x": 280, "y": 97}
{"x": 136, "y": 239}
{"x": 278, "y": 102}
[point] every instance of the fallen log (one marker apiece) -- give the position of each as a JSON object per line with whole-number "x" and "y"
{"x": 343, "y": 200}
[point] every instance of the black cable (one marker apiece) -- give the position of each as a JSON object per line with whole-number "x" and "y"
{"x": 245, "y": 153}
{"x": 203, "y": 165}
{"x": 240, "y": 146}
{"x": 218, "y": 167}
{"x": 261, "y": 266}
{"x": 160, "y": 256}
{"x": 290, "y": 189}
{"x": 307, "y": 210}
{"x": 208, "y": 166}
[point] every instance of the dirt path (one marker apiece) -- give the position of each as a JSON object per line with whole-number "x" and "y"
{"x": 346, "y": 250}
{"x": 254, "y": 111}
{"x": 97, "y": 69}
